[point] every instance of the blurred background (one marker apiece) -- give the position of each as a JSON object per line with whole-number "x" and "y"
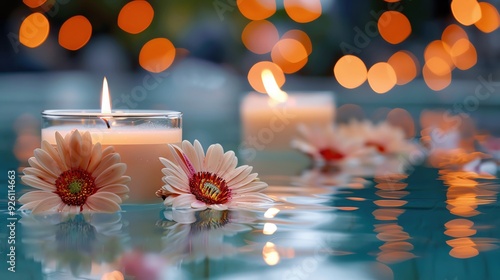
{"x": 202, "y": 57}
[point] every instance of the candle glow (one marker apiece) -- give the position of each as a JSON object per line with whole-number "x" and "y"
{"x": 105, "y": 100}
{"x": 272, "y": 87}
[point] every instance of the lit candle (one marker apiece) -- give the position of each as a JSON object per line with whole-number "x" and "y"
{"x": 270, "y": 121}
{"x": 139, "y": 136}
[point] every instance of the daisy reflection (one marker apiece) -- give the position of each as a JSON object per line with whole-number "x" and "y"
{"x": 73, "y": 246}
{"x": 197, "y": 235}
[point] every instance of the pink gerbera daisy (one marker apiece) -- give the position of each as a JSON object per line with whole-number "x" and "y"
{"x": 202, "y": 181}
{"x": 75, "y": 176}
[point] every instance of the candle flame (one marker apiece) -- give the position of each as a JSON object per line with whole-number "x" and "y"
{"x": 105, "y": 102}
{"x": 272, "y": 88}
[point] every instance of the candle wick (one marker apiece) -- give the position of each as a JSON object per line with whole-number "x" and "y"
{"x": 107, "y": 122}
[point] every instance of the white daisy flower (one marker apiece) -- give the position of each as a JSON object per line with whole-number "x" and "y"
{"x": 75, "y": 176}
{"x": 380, "y": 139}
{"x": 196, "y": 180}
{"x": 324, "y": 145}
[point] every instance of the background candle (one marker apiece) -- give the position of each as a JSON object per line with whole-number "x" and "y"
{"x": 140, "y": 137}
{"x": 268, "y": 125}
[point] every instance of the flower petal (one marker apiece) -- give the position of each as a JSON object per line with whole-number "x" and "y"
{"x": 44, "y": 159}
{"x": 106, "y": 162}
{"x": 101, "y": 204}
{"x": 123, "y": 180}
{"x": 229, "y": 163}
{"x": 180, "y": 175}
{"x": 199, "y": 152}
{"x": 53, "y": 154}
{"x": 95, "y": 158}
{"x": 235, "y": 177}
{"x": 47, "y": 205}
{"x": 240, "y": 181}
{"x": 38, "y": 183}
{"x": 40, "y": 173}
{"x": 169, "y": 200}
{"x": 199, "y": 205}
{"x": 213, "y": 158}
{"x": 234, "y": 173}
{"x": 30, "y": 205}
{"x": 33, "y": 196}
{"x": 107, "y": 195}
{"x": 86, "y": 150}
{"x": 255, "y": 186}
{"x": 219, "y": 207}
{"x": 118, "y": 189}
{"x": 182, "y": 160}
{"x": 191, "y": 154}
{"x": 110, "y": 174}
{"x": 183, "y": 201}
{"x": 76, "y": 154}
{"x": 177, "y": 186}
{"x": 63, "y": 151}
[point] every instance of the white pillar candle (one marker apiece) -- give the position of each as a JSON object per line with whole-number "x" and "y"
{"x": 268, "y": 125}
{"x": 139, "y": 145}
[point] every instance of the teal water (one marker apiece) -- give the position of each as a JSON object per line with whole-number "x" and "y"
{"x": 424, "y": 225}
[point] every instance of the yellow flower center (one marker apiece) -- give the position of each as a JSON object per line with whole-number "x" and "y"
{"x": 209, "y": 188}
{"x": 74, "y": 186}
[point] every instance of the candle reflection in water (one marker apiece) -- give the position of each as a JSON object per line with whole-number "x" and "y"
{"x": 466, "y": 192}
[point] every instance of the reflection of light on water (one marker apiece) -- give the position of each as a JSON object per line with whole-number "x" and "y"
{"x": 269, "y": 228}
{"x": 465, "y": 193}
{"x": 396, "y": 248}
{"x": 270, "y": 254}
{"x": 271, "y": 212}
{"x": 387, "y": 214}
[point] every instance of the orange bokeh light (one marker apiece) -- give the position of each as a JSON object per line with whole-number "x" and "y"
{"x": 439, "y": 77}
{"x": 350, "y": 71}
{"x": 34, "y": 30}
{"x": 437, "y": 49}
{"x": 290, "y": 55}
{"x": 157, "y": 55}
{"x": 490, "y": 19}
{"x": 451, "y": 34}
{"x": 255, "y": 75}
{"x": 399, "y": 117}
{"x": 405, "y": 64}
{"x": 257, "y": 9}
{"x": 381, "y": 77}
{"x": 394, "y": 27}
{"x": 75, "y": 33}
{"x": 260, "y": 36}
{"x": 303, "y": 11}
{"x": 34, "y": 3}
{"x": 135, "y": 16}
{"x": 300, "y": 36}
{"x": 463, "y": 54}
{"x": 467, "y": 12}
